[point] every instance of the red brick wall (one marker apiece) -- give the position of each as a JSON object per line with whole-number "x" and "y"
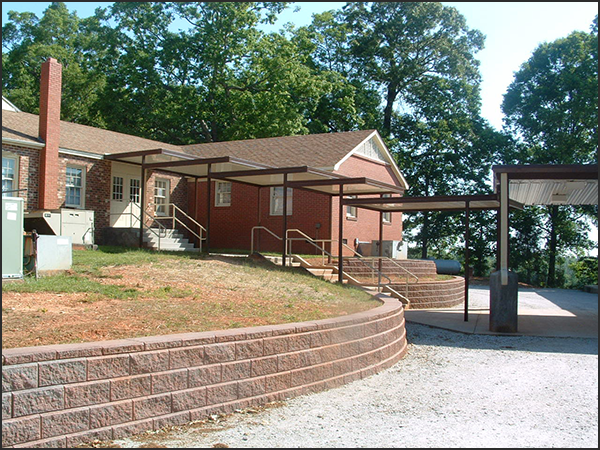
{"x": 49, "y": 130}
{"x": 28, "y": 176}
{"x": 231, "y": 226}
{"x": 365, "y": 227}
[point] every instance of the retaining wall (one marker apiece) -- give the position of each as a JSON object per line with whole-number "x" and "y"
{"x": 65, "y": 395}
{"x": 434, "y": 294}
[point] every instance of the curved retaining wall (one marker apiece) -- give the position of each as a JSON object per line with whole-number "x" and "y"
{"x": 65, "y": 395}
{"x": 435, "y": 294}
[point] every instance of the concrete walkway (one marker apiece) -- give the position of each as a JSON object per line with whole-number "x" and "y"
{"x": 542, "y": 312}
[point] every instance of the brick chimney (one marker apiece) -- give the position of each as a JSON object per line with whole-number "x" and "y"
{"x": 49, "y": 130}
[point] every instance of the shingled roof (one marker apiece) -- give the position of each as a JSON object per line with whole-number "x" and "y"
{"x": 323, "y": 150}
{"x": 24, "y": 127}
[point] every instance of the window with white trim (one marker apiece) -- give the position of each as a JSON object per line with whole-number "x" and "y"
{"x": 161, "y": 196}
{"x": 74, "y": 185}
{"x": 134, "y": 190}
{"x": 10, "y": 171}
{"x": 387, "y": 216}
{"x": 351, "y": 210}
{"x": 222, "y": 193}
{"x": 117, "y": 189}
{"x": 276, "y": 204}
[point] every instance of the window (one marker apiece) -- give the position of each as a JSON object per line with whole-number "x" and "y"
{"x": 161, "y": 196}
{"x": 74, "y": 186}
{"x": 351, "y": 210}
{"x": 223, "y": 193}
{"x": 134, "y": 190}
{"x": 276, "y": 204}
{"x": 387, "y": 216}
{"x": 9, "y": 175}
{"x": 117, "y": 189}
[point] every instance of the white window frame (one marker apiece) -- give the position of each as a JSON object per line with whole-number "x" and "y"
{"x": 14, "y": 181}
{"x": 118, "y": 186}
{"x": 351, "y": 211}
{"x": 276, "y": 201}
{"x": 161, "y": 201}
{"x": 75, "y": 187}
{"x": 135, "y": 190}
{"x": 222, "y": 193}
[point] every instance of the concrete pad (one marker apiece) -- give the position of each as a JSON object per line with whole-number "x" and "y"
{"x": 541, "y": 312}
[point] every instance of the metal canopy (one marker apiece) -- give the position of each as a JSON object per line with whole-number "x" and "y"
{"x": 439, "y": 203}
{"x": 183, "y": 163}
{"x": 243, "y": 171}
{"x": 550, "y": 184}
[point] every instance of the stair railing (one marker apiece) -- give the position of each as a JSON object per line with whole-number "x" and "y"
{"x": 175, "y": 220}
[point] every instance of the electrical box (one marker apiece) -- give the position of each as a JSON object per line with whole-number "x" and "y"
{"x": 390, "y": 249}
{"x": 76, "y": 223}
{"x": 12, "y": 237}
{"x": 54, "y": 254}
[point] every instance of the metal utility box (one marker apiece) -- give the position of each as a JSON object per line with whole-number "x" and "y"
{"x": 54, "y": 253}
{"x": 76, "y": 223}
{"x": 391, "y": 249}
{"x": 12, "y": 237}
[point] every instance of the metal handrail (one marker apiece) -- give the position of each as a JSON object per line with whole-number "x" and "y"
{"x": 314, "y": 242}
{"x": 174, "y": 208}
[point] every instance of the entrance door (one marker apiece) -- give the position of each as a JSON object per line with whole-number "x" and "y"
{"x": 125, "y": 200}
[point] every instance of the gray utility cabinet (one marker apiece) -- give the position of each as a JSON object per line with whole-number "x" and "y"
{"x": 76, "y": 223}
{"x": 12, "y": 237}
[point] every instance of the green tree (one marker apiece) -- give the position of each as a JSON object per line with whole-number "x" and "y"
{"x": 28, "y": 41}
{"x": 551, "y": 107}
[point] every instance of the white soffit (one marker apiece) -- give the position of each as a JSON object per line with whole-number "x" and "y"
{"x": 554, "y": 192}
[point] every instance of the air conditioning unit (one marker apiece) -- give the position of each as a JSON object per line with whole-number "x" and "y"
{"x": 77, "y": 224}
{"x": 390, "y": 249}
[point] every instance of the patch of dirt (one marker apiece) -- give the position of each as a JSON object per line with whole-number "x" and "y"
{"x": 173, "y": 296}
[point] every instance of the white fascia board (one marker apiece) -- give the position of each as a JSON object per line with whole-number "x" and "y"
{"x": 20, "y": 143}
{"x": 64, "y": 151}
{"x": 386, "y": 152}
{"x": 82, "y": 154}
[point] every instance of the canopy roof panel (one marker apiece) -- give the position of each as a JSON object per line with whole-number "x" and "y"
{"x": 416, "y": 204}
{"x": 242, "y": 171}
{"x": 550, "y": 184}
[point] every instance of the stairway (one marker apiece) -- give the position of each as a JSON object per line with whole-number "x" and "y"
{"x": 170, "y": 240}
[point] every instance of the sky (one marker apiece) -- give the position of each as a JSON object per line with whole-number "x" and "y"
{"x": 513, "y": 31}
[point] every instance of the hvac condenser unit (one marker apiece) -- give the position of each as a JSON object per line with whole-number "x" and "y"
{"x": 75, "y": 223}
{"x": 390, "y": 249}
{"x": 12, "y": 237}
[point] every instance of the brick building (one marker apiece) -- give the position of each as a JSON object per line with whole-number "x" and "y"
{"x": 57, "y": 165}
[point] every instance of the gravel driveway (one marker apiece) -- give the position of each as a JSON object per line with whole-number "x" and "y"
{"x": 450, "y": 390}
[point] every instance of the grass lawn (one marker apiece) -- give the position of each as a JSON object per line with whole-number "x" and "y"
{"x": 116, "y": 293}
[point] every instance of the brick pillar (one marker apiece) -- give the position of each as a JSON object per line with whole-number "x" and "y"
{"x": 49, "y": 131}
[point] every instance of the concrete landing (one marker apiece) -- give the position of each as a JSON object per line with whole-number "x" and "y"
{"x": 541, "y": 312}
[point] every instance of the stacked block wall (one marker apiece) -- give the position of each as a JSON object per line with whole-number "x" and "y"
{"x": 65, "y": 395}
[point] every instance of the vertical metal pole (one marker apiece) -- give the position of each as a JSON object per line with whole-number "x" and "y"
{"x": 504, "y": 228}
{"x": 380, "y": 245}
{"x": 284, "y": 218}
{"x": 467, "y": 258}
{"x": 142, "y": 200}
{"x": 340, "y": 237}
{"x": 208, "y": 204}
